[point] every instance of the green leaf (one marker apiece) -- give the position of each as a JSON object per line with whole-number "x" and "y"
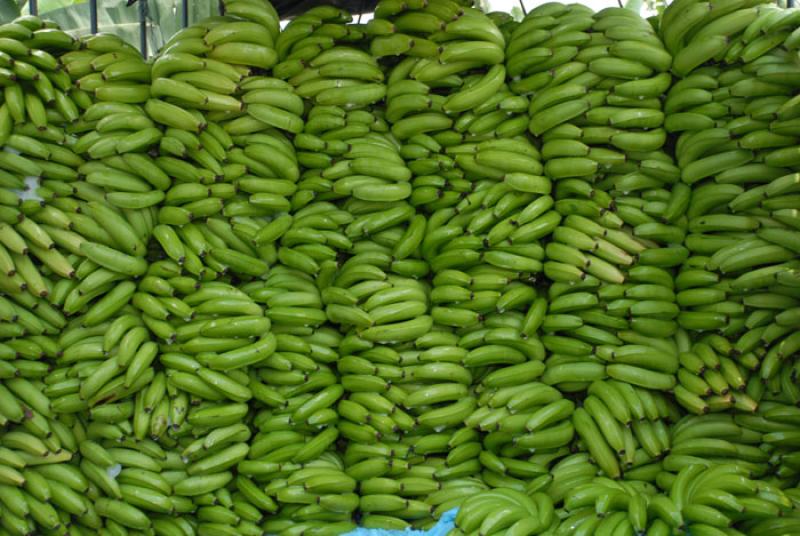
{"x": 50, "y": 5}
{"x": 9, "y": 10}
{"x": 634, "y": 5}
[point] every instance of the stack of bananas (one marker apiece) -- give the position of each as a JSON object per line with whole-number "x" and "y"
{"x": 595, "y": 104}
{"x": 38, "y": 165}
{"x": 294, "y": 459}
{"x": 368, "y": 286}
{"x": 67, "y": 400}
{"x": 481, "y": 181}
{"x": 446, "y": 84}
{"x": 354, "y": 274}
{"x": 736, "y": 148}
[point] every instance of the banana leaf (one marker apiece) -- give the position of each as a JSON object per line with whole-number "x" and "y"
{"x": 50, "y": 5}
{"x": 634, "y": 5}
{"x": 9, "y": 10}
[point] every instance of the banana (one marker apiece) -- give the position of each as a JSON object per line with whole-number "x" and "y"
{"x": 477, "y": 93}
{"x": 557, "y": 114}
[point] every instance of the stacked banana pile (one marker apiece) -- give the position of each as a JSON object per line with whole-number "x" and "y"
{"x": 482, "y": 182}
{"x": 594, "y": 100}
{"x": 294, "y": 460}
{"x": 280, "y": 351}
{"x": 294, "y": 282}
{"x": 644, "y": 216}
{"x": 736, "y": 148}
{"x": 369, "y": 287}
{"x": 37, "y": 166}
{"x": 591, "y": 99}
{"x": 60, "y": 260}
{"x": 446, "y": 84}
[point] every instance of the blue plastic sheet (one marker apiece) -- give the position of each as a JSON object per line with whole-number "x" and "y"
{"x": 446, "y": 523}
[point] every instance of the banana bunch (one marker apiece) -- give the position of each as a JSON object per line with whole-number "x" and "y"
{"x": 696, "y": 32}
{"x": 324, "y": 58}
{"x": 357, "y": 162}
{"x": 308, "y": 240}
{"x": 708, "y": 497}
{"x": 500, "y": 221}
{"x": 317, "y": 497}
{"x": 438, "y": 182}
{"x": 536, "y": 44}
{"x": 699, "y": 498}
{"x": 39, "y": 100}
{"x": 775, "y": 423}
{"x": 413, "y": 28}
{"x": 478, "y": 302}
{"x": 527, "y": 426}
{"x": 505, "y": 511}
{"x": 719, "y": 439}
{"x": 590, "y": 333}
{"x": 603, "y": 506}
{"x": 324, "y": 139}
{"x": 626, "y": 428}
{"x": 609, "y": 236}
{"x": 119, "y": 134}
{"x": 713, "y": 376}
{"x": 601, "y": 83}
{"x": 500, "y": 114}
{"x": 394, "y": 481}
{"x": 230, "y": 88}
{"x": 202, "y": 65}
{"x": 416, "y": 31}
{"x": 109, "y": 69}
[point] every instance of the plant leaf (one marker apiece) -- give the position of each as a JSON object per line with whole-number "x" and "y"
{"x": 634, "y": 5}
{"x": 50, "y": 5}
{"x": 9, "y": 10}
